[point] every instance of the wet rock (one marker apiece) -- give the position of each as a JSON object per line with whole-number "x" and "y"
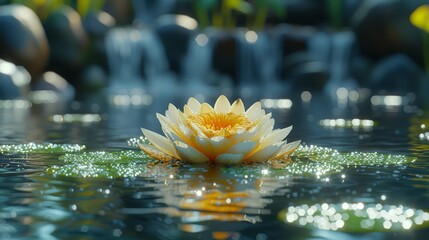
{"x": 51, "y": 81}
{"x": 68, "y": 41}
{"x": 175, "y": 32}
{"x": 382, "y": 28}
{"x": 397, "y": 74}
{"x": 96, "y": 25}
{"x": 14, "y": 81}
{"x": 148, "y": 11}
{"x": 289, "y": 40}
{"x": 121, "y": 10}
{"x": 293, "y": 38}
{"x": 306, "y": 71}
{"x": 301, "y": 12}
{"x": 93, "y": 79}
{"x": 22, "y": 38}
{"x": 225, "y": 58}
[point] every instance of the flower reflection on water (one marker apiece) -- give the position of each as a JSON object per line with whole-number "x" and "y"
{"x": 204, "y": 194}
{"x": 208, "y": 196}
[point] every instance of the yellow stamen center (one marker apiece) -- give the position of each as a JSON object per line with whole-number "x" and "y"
{"x": 220, "y": 124}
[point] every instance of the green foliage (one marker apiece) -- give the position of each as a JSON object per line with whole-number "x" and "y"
{"x": 223, "y": 13}
{"x": 43, "y": 8}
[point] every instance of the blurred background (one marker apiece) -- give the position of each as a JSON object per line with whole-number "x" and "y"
{"x": 131, "y": 52}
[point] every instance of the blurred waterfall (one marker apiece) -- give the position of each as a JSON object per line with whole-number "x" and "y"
{"x": 197, "y": 67}
{"x": 257, "y": 65}
{"x": 123, "y": 46}
{"x": 137, "y": 62}
{"x": 341, "y": 55}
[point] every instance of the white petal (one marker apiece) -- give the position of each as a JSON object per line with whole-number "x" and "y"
{"x": 254, "y": 112}
{"x": 188, "y": 111}
{"x": 211, "y": 147}
{"x": 203, "y": 143}
{"x": 189, "y": 154}
{"x": 173, "y": 114}
{"x": 206, "y": 108}
{"x": 185, "y": 131}
{"x": 172, "y": 131}
{"x": 220, "y": 144}
{"x": 242, "y": 147}
{"x": 194, "y": 105}
{"x": 244, "y": 136}
{"x": 174, "y": 137}
{"x": 229, "y": 158}
{"x": 155, "y": 152}
{"x": 265, "y": 153}
{"x": 275, "y": 136}
{"x": 265, "y": 129}
{"x": 197, "y": 130}
{"x": 288, "y": 149}
{"x": 237, "y": 107}
{"x": 160, "y": 142}
{"x": 222, "y": 105}
{"x": 165, "y": 122}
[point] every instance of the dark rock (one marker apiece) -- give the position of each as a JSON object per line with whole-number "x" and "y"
{"x": 293, "y": 38}
{"x": 289, "y": 40}
{"x": 148, "y": 11}
{"x": 68, "y": 41}
{"x": 51, "y": 81}
{"x": 300, "y": 12}
{"x": 225, "y": 53}
{"x": 175, "y": 32}
{"x": 121, "y": 10}
{"x": 96, "y": 25}
{"x": 93, "y": 79}
{"x": 396, "y": 74}
{"x": 306, "y": 71}
{"x": 22, "y": 38}
{"x": 382, "y": 28}
{"x": 14, "y": 81}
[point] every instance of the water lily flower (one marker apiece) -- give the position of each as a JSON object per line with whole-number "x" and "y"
{"x": 223, "y": 134}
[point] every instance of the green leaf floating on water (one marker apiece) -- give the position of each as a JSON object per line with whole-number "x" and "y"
{"x": 319, "y": 161}
{"x": 312, "y": 161}
{"x": 131, "y": 169}
{"x": 356, "y": 217}
{"x": 41, "y": 148}
{"x": 323, "y": 154}
{"x": 103, "y": 158}
{"x": 103, "y": 164}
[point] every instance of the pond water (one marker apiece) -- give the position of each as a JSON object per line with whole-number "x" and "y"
{"x": 199, "y": 202}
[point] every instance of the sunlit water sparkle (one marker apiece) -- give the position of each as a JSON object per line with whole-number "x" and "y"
{"x": 51, "y": 190}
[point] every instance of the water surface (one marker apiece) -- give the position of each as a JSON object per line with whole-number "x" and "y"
{"x": 199, "y": 202}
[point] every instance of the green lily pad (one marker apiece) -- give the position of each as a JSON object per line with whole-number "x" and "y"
{"x": 103, "y": 158}
{"x": 305, "y": 168}
{"x": 131, "y": 169}
{"x": 102, "y": 164}
{"x": 318, "y": 161}
{"x": 308, "y": 161}
{"x": 356, "y": 217}
{"x": 41, "y": 148}
{"x": 323, "y": 154}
